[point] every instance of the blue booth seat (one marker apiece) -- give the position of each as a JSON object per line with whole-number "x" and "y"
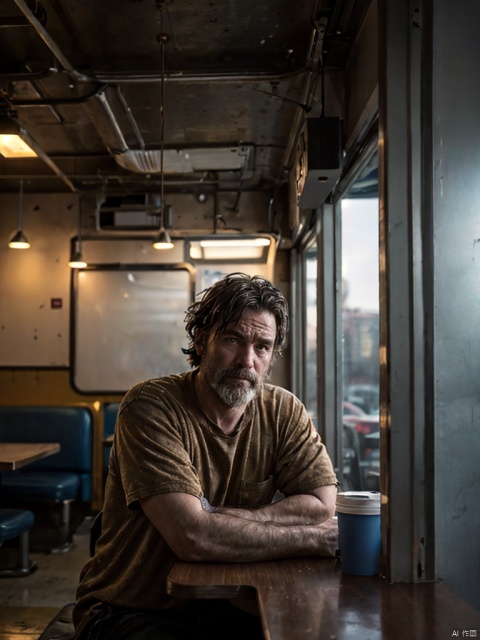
{"x": 58, "y": 488}
{"x": 44, "y": 485}
{"x": 16, "y": 523}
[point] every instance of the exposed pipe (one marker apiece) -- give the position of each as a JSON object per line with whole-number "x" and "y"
{"x": 51, "y": 44}
{"x": 184, "y": 76}
{"x": 48, "y": 161}
{"x": 178, "y": 76}
{"x": 316, "y": 46}
{"x": 131, "y": 119}
{"x": 102, "y": 100}
{"x": 47, "y": 102}
{"x": 298, "y": 120}
{"x": 28, "y": 76}
{"x": 316, "y": 52}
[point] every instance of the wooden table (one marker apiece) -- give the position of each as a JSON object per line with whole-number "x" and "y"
{"x": 14, "y": 455}
{"x": 310, "y": 599}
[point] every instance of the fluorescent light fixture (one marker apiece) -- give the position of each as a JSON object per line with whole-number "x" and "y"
{"x": 13, "y": 146}
{"x": 224, "y": 242}
{"x": 15, "y": 141}
{"x": 230, "y": 249}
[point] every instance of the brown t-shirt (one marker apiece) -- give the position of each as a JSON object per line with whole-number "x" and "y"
{"x": 164, "y": 443}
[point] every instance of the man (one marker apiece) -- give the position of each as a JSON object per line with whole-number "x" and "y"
{"x": 196, "y": 462}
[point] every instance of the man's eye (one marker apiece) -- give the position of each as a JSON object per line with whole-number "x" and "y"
{"x": 232, "y": 340}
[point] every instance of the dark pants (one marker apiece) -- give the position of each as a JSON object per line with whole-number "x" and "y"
{"x": 201, "y": 620}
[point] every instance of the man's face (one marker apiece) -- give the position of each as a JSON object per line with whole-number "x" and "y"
{"x": 236, "y": 363}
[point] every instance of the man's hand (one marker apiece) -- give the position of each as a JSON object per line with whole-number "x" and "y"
{"x": 328, "y": 533}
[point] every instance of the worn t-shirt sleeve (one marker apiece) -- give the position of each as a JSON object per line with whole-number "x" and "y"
{"x": 303, "y": 463}
{"x": 150, "y": 447}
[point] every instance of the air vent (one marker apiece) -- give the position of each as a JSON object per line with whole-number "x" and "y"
{"x": 183, "y": 161}
{"x": 130, "y": 213}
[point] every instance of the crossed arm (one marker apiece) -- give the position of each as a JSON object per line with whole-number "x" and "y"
{"x": 298, "y": 525}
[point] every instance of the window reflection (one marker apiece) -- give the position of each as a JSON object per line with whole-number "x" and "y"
{"x": 311, "y": 331}
{"x": 360, "y": 333}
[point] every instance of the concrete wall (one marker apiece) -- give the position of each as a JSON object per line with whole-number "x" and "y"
{"x": 456, "y": 198}
{"x": 429, "y": 165}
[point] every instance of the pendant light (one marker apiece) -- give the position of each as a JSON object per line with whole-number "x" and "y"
{"x": 19, "y": 240}
{"x": 76, "y": 258}
{"x": 162, "y": 241}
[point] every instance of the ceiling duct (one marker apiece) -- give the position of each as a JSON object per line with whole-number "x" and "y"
{"x": 181, "y": 161}
{"x": 175, "y": 161}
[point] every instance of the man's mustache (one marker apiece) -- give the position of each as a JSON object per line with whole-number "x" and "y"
{"x": 243, "y": 374}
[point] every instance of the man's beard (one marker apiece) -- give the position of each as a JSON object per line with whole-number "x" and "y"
{"x": 230, "y": 391}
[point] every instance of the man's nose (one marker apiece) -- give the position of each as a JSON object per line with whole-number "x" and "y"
{"x": 245, "y": 356}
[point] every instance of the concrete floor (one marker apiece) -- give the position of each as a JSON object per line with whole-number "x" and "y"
{"x": 28, "y": 603}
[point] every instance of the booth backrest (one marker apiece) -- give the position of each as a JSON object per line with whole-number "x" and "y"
{"x": 71, "y": 427}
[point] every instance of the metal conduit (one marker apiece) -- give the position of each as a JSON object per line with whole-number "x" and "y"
{"x": 48, "y": 40}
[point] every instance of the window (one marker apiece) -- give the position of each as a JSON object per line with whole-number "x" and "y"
{"x": 310, "y": 331}
{"x": 129, "y": 326}
{"x": 360, "y": 342}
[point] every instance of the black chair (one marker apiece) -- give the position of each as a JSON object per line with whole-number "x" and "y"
{"x": 352, "y": 460}
{"x": 61, "y": 626}
{"x": 16, "y": 523}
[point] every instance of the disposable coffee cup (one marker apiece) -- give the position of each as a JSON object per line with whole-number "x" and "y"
{"x": 359, "y": 532}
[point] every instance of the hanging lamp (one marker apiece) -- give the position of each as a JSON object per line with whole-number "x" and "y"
{"x": 76, "y": 257}
{"x": 19, "y": 240}
{"x": 163, "y": 240}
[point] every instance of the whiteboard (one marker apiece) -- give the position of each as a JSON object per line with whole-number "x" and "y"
{"x": 129, "y": 325}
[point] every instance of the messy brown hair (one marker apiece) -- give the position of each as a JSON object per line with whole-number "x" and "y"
{"x": 223, "y": 304}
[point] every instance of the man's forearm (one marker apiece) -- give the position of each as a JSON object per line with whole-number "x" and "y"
{"x": 198, "y": 533}
{"x": 227, "y": 538}
{"x": 301, "y": 509}
{"x": 294, "y": 510}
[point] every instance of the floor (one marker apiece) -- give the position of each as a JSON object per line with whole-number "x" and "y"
{"x": 28, "y": 603}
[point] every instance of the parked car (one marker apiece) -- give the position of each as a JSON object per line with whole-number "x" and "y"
{"x": 365, "y": 396}
{"x": 364, "y": 424}
{"x": 350, "y": 409}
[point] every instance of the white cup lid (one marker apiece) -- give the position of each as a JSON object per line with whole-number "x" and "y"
{"x": 359, "y": 502}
